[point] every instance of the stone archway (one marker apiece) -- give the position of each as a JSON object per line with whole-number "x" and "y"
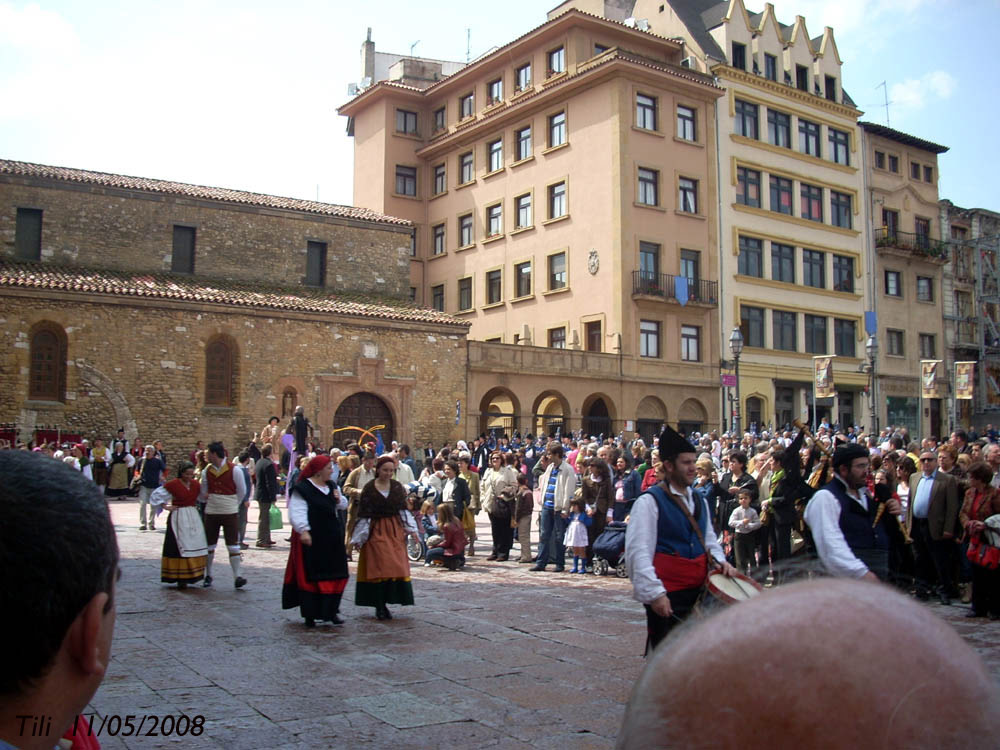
{"x": 550, "y": 413}
{"x": 91, "y": 376}
{"x": 364, "y": 410}
{"x": 691, "y": 417}
{"x": 498, "y": 411}
{"x": 598, "y": 415}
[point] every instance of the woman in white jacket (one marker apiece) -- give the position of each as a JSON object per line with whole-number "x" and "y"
{"x": 497, "y": 492}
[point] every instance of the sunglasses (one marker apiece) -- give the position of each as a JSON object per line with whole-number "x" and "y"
{"x": 922, "y": 460}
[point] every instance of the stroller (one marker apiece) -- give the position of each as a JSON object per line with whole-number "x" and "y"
{"x": 417, "y": 493}
{"x": 609, "y": 550}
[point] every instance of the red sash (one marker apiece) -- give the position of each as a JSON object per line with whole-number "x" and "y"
{"x": 677, "y": 573}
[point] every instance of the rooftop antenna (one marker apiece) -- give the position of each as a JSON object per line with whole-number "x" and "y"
{"x": 468, "y": 45}
{"x": 413, "y": 47}
{"x": 885, "y": 91}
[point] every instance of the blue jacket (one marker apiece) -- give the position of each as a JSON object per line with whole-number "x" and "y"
{"x": 632, "y": 486}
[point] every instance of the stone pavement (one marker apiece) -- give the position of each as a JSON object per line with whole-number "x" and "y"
{"x": 489, "y": 657}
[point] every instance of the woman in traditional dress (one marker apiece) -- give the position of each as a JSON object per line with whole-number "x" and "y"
{"x": 185, "y": 551}
{"x": 120, "y": 471}
{"x": 316, "y": 573}
{"x": 380, "y": 534}
{"x": 99, "y": 456}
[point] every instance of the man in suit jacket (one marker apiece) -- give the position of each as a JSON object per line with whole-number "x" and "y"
{"x": 266, "y": 493}
{"x": 931, "y": 519}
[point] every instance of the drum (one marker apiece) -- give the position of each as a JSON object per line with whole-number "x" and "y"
{"x": 731, "y": 590}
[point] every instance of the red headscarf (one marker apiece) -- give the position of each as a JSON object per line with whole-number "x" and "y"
{"x": 315, "y": 466}
{"x": 384, "y": 459}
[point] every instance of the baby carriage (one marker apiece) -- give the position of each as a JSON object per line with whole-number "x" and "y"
{"x": 609, "y": 550}
{"x": 417, "y": 493}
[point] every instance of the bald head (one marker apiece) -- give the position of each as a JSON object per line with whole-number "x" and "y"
{"x": 829, "y": 663}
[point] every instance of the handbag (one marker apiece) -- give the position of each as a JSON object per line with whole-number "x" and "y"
{"x": 468, "y": 519}
{"x": 983, "y": 554}
{"x": 274, "y": 516}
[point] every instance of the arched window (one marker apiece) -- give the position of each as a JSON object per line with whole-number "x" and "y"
{"x": 220, "y": 372}
{"x": 47, "y": 377}
{"x": 289, "y": 400}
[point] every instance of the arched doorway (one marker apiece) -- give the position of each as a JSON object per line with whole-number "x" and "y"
{"x": 754, "y": 411}
{"x": 498, "y": 410}
{"x": 650, "y": 417}
{"x": 550, "y": 412}
{"x": 364, "y": 410}
{"x": 691, "y": 417}
{"x": 597, "y": 417}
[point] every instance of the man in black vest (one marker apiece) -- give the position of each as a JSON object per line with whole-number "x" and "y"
{"x": 266, "y": 491}
{"x": 842, "y": 518}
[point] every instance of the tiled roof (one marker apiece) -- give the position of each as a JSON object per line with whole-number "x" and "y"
{"x": 182, "y": 288}
{"x": 901, "y": 137}
{"x": 27, "y": 169}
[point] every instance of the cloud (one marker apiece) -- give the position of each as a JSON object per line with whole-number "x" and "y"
{"x": 36, "y": 31}
{"x": 916, "y": 93}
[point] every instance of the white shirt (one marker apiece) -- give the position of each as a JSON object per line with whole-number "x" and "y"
{"x": 298, "y": 508}
{"x": 640, "y": 544}
{"x": 823, "y": 516}
{"x": 736, "y": 520}
{"x": 404, "y": 474}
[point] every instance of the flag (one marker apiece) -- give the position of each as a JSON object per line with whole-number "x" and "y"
{"x": 964, "y": 382}
{"x": 823, "y": 371}
{"x": 681, "y": 289}
{"x": 379, "y": 445}
{"x": 928, "y": 378}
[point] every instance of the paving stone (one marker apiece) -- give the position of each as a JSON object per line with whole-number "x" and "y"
{"x": 404, "y": 710}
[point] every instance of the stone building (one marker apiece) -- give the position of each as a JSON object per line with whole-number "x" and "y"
{"x": 183, "y": 312}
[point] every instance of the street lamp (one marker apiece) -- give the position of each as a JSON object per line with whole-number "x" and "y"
{"x": 736, "y": 347}
{"x": 871, "y": 349}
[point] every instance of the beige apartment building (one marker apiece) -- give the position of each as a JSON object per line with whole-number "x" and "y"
{"x": 563, "y": 193}
{"x": 908, "y": 278}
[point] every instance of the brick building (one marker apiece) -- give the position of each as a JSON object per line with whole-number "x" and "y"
{"x": 183, "y": 312}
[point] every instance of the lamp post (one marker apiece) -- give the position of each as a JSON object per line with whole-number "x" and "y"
{"x": 871, "y": 349}
{"x": 736, "y": 347}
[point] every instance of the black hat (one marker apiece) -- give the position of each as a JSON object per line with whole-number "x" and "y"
{"x": 847, "y": 453}
{"x": 672, "y": 444}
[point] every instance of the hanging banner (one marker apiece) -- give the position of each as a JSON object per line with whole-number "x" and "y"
{"x": 929, "y": 378}
{"x": 823, "y": 371}
{"x": 964, "y": 379}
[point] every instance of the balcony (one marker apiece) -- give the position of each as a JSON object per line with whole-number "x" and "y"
{"x": 917, "y": 244}
{"x": 662, "y": 285}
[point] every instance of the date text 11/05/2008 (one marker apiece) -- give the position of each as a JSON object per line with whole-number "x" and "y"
{"x": 131, "y": 725}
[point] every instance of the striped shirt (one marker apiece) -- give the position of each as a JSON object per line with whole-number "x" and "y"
{"x": 550, "y": 490}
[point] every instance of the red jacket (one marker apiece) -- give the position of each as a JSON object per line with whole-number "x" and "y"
{"x": 454, "y": 540}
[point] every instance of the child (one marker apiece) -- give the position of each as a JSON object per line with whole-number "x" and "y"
{"x": 450, "y": 551}
{"x": 576, "y": 534}
{"x": 744, "y": 521}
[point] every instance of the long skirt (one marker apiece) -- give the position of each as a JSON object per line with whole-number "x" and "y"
{"x": 175, "y": 568}
{"x": 318, "y": 600}
{"x": 118, "y": 479}
{"x": 100, "y": 472}
{"x": 383, "y": 568}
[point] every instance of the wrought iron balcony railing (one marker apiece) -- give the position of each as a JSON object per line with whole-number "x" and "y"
{"x": 665, "y": 285}
{"x": 916, "y": 243}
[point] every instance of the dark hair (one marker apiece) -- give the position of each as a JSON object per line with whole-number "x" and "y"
{"x": 437, "y": 464}
{"x": 981, "y": 470}
{"x": 737, "y": 456}
{"x": 58, "y": 548}
{"x": 555, "y": 449}
{"x": 405, "y": 449}
{"x": 601, "y": 466}
{"x": 184, "y": 466}
{"x": 244, "y": 455}
{"x": 522, "y": 479}
{"x": 273, "y": 419}
{"x": 266, "y": 450}
{"x": 217, "y": 448}
{"x": 453, "y": 465}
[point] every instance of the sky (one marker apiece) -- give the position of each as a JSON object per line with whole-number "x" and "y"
{"x": 244, "y": 94}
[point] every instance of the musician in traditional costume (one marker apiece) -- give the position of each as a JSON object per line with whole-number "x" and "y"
{"x": 316, "y": 573}
{"x": 851, "y": 536}
{"x": 670, "y": 544}
{"x": 222, "y": 489}
{"x": 184, "y": 549}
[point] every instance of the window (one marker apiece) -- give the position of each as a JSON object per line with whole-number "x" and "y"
{"x": 687, "y": 195}
{"x": 440, "y": 179}
{"x": 494, "y": 154}
{"x": 691, "y": 269}
{"x": 894, "y": 343}
{"x": 770, "y": 67}
{"x": 494, "y": 286}
{"x": 928, "y": 174}
{"x": 645, "y": 112}
{"x": 802, "y": 77}
{"x": 752, "y": 325}
{"x": 690, "y": 344}
{"x": 413, "y": 294}
{"x": 783, "y": 263}
{"x": 522, "y": 206}
{"x": 922, "y": 228}
{"x": 465, "y": 293}
{"x": 748, "y": 187}
{"x": 649, "y": 338}
{"x": 439, "y": 119}
{"x": 814, "y": 268}
{"x": 592, "y": 335}
{"x": 783, "y": 330}
{"x": 893, "y": 284}
{"x": 438, "y": 236}
{"x": 413, "y": 244}
{"x": 839, "y": 146}
{"x": 844, "y": 337}
{"x": 893, "y": 163}
{"x": 557, "y": 338}
{"x": 686, "y": 123}
{"x": 522, "y": 279}
{"x": 437, "y": 297}
{"x": 815, "y": 334}
{"x": 649, "y": 187}
{"x": 220, "y": 371}
{"x": 522, "y": 143}
{"x": 557, "y": 200}
{"x": 779, "y": 128}
{"x": 751, "y": 257}
{"x": 781, "y": 195}
{"x": 406, "y": 180}
{"x": 466, "y": 168}
{"x": 890, "y": 219}
{"x": 557, "y": 271}
{"x": 289, "y": 400}
{"x": 494, "y": 91}
{"x": 406, "y": 122}
{"x": 927, "y": 348}
{"x": 600, "y": 49}
{"x": 28, "y": 235}
{"x": 649, "y": 261}
{"x": 466, "y": 106}
{"x": 925, "y": 289}
{"x": 494, "y": 220}
{"x": 465, "y": 230}
{"x": 47, "y": 374}
{"x": 879, "y": 160}
{"x": 739, "y": 56}
{"x": 182, "y": 257}
{"x": 557, "y": 61}
{"x": 557, "y": 129}
{"x": 840, "y": 209}
{"x": 812, "y": 202}
{"x": 746, "y": 119}
{"x": 914, "y": 170}
{"x": 316, "y": 263}
{"x": 522, "y": 77}
{"x": 843, "y": 273}
{"x": 808, "y": 137}
{"x": 831, "y": 88}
